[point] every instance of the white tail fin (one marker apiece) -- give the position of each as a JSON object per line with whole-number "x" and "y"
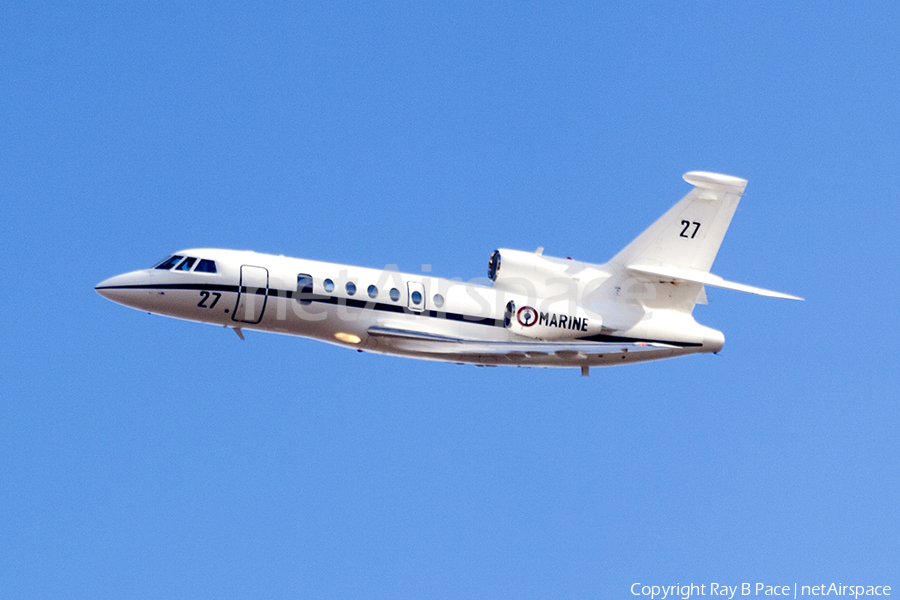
{"x": 688, "y": 236}
{"x": 674, "y": 255}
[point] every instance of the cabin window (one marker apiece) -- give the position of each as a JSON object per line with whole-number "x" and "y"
{"x": 169, "y": 262}
{"x": 304, "y": 288}
{"x": 416, "y": 298}
{"x": 373, "y": 291}
{"x": 187, "y": 264}
{"x": 328, "y": 285}
{"x": 395, "y": 294}
{"x": 351, "y": 288}
{"x": 438, "y": 300}
{"x": 205, "y": 266}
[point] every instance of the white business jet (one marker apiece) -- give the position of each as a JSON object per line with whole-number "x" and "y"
{"x": 538, "y": 311}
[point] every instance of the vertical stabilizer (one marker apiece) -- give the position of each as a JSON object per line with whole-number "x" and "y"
{"x": 689, "y": 235}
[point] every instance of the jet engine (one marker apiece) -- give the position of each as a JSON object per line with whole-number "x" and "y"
{"x": 528, "y": 273}
{"x": 544, "y": 295}
{"x": 555, "y": 322}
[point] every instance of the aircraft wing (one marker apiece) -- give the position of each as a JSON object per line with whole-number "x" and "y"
{"x": 416, "y": 341}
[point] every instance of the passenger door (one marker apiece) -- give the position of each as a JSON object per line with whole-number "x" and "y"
{"x": 252, "y": 295}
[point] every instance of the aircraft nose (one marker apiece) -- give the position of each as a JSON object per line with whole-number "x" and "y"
{"x": 106, "y": 288}
{"x": 121, "y": 288}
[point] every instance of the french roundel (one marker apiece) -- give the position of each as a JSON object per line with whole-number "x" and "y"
{"x": 527, "y": 316}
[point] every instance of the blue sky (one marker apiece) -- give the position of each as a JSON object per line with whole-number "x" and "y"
{"x": 145, "y": 457}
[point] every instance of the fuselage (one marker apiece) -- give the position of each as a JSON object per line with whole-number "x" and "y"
{"x": 531, "y": 310}
{"x": 386, "y": 311}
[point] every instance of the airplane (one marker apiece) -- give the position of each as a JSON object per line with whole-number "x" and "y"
{"x": 535, "y": 311}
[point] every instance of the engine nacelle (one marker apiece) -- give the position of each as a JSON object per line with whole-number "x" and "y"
{"x": 527, "y": 279}
{"x": 529, "y": 273}
{"x": 558, "y": 321}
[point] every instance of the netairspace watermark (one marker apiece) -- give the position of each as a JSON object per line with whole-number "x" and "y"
{"x": 689, "y": 590}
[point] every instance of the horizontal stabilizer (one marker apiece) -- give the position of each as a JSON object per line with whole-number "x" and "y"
{"x": 704, "y": 278}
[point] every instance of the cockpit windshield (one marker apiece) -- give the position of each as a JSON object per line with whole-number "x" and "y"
{"x": 205, "y": 266}
{"x": 169, "y": 262}
{"x": 186, "y": 264}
